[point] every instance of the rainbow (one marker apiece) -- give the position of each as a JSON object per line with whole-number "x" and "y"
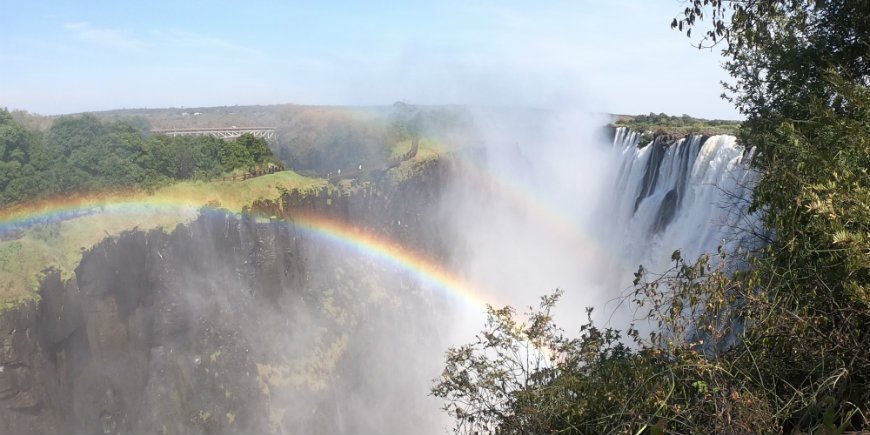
{"x": 524, "y": 198}
{"x": 60, "y": 209}
{"x": 544, "y": 213}
{"x": 390, "y": 252}
{"x": 321, "y": 227}
{"x": 71, "y": 207}
{"x": 342, "y": 234}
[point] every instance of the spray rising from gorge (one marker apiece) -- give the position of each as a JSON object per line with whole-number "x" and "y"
{"x": 331, "y": 313}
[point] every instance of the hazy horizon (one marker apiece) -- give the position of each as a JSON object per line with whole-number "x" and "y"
{"x": 619, "y": 57}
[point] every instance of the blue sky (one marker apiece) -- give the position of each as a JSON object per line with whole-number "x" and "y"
{"x": 603, "y": 55}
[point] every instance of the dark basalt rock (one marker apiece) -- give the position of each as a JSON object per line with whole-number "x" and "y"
{"x": 666, "y": 212}
{"x": 686, "y": 152}
{"x": 176, "y": 333}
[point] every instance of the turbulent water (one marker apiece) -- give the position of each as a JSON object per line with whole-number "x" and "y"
{"x": 583, "y": 210}
{"x": 691, "y": 194}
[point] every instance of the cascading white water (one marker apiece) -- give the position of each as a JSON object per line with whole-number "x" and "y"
{"x": 691, "y": 194}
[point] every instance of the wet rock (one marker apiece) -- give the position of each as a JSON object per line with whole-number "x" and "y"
{"x": 191, "y": 332}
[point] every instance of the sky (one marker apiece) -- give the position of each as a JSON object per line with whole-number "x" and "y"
{"x": 616, "y": 56}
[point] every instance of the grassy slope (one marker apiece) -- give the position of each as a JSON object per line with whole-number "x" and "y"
{"x": 235, "y": 195}
{"x": 59, "y": 245}
{"x": 429, "y": 149}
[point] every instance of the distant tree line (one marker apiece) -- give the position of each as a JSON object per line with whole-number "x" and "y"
{"x": 82, "y": 153}
{"x": 679, "y": 125}
{"x": 322, "y": 140}
{"x": 408, "y": 121}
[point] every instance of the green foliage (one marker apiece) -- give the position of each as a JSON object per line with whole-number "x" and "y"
{"x": 408, "y": 121}
{"x": 778, "y": 344}
{"x": 321, "y": 140}
{"x": 14, "y": 148}
{"x": 83, "y": 153}
{"x": 682, "y": 378}
{"x": 815, "y": 193}
{"x": 779, "y": 52}
{"x": 309, "y": 139}
{"x": 58, "y": 245}
{"x": 678, "y": 125}
{"x": 800, "y": 72}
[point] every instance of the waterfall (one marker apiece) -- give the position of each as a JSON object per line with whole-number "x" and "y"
{"x": 691, "y": 194}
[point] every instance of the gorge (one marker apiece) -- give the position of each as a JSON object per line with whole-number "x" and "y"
{"x": 275, "y": 321}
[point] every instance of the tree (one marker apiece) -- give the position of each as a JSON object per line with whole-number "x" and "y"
{"x": 207, "y": 155}
{"x": 14, "y": 149}
{"x": 234, "y": 155}
{"x": 407, "y": 121}
{"x": 69, "y": 134}
{"x": 597, "y": 382}
{"x": 777, "y": 345}
{"x": 781, "y": 52}
{"x": 257, "y": 147}
{"x": 14, "y": 144}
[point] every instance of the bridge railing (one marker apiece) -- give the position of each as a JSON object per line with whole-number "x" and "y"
{"x": 267, "y": 133}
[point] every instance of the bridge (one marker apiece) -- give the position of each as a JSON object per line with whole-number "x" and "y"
{"x": 233, "y": 132}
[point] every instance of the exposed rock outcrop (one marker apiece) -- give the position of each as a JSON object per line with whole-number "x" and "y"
{"x": 226, "y": 326}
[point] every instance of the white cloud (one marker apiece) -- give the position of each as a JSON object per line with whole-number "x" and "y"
{"x": 106, "y": 37}
{"x": 187, "y": 39}
{"x": 75, "y": 26}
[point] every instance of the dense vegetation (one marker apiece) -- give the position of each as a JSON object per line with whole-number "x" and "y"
{"x": 783, "y": 345}
{"x": 323, "y": 140}
{"x": 82, "y": 153}
{"x": 678, "y": 125}
{"x": 312, "y": 140}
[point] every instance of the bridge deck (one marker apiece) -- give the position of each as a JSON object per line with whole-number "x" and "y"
{"x": 267, "y": 133}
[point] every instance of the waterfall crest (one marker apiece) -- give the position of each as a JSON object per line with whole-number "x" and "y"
{"x": 691, "y": 194}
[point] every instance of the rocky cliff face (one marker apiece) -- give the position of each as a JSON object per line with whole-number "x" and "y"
{"x": 231, "y": 326}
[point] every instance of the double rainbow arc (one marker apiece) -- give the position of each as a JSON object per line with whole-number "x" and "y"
{"x": 321, "y": 227}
